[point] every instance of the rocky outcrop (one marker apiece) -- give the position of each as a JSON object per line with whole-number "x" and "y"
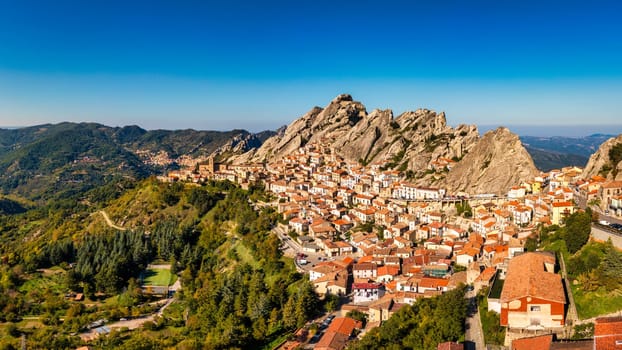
{"x": 497, "y": 162}
{"x": 607, "y": 160}
{"x": 239, "y": 144}
{"x": 410, "y": 142}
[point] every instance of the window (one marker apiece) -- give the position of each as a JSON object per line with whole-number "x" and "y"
{"x": 534, "y": 308}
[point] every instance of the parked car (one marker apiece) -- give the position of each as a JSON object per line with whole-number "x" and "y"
{"x": 616, "y": 226}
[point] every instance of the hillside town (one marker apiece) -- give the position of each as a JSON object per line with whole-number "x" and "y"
{"x": 370, "y": 233}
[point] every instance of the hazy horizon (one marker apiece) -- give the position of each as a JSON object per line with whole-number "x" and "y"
{"x": 572, "y": 131}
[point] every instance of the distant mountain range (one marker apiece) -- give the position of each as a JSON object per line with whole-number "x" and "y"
{"x": 67, "y": 159}
{"x": 64, "y": 159}
{"x": 559, "y": 151}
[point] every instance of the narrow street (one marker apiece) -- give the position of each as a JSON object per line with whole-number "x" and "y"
{"x": 474, "y": 335}
{"x": 572, "y": 317}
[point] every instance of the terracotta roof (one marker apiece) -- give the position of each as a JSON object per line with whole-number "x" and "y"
{"x": 527, "y": 276}
{"x": 391, "y": 285}
{"x": 332, "y": 341}
{"x": 364, "y": 259}
{"x": 486, "y": 275}
{"x": 542, "y": 342}
{"x": 344, "y": 325}
{"x": 388, "y": 270}
{"x": 608, "y": 326}
{"x": 431, "y": 282}
{"x": 450, "y": 346}
{"x": 612, "y": 184}
{"x": 363, "y": 285}
{"x": 348, "y": 260}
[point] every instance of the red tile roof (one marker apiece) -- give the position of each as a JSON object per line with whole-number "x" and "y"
{"x": 332, "y": 341}
{"x": 608, "y": 326}
{"x": 450, "y": 346}
{"x": 344, "y": 325}
{"x": 363, "y": 285}
{"x": 542, "y": 342}
{"x": 527, "y": 276}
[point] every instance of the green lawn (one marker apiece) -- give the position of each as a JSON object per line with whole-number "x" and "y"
{"x": 159, "y": 277}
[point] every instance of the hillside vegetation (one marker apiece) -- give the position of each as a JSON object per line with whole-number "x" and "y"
{"x": 54, "y": 161}
{"x": 238, "y": 290}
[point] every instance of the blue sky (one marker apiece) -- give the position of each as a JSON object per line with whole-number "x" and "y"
{"x": 258, "y": 65}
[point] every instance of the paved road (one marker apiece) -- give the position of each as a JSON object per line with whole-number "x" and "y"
{"x": 603, "y": 235}
{"x": 293, "y": 248}
{"x": 132, "y": 323}
{"x": 474, "y": 336}
{"x": 607, "y": 217}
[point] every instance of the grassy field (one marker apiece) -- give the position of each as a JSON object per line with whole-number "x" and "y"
{"x": 45, "y": 281}
{"x": 245, "y": 255}
{"x": 589, "y": 304}
{"x": 159, "y": 277}
{"x": 600, "y": 302}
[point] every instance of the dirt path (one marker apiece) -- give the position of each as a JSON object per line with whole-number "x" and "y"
{"x": 109, "y": 222}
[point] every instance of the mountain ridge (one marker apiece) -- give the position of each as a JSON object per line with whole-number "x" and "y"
{"x": 607, "y": 160}
{"x": 51, "y": 160}
{"x": 411, "y": 142}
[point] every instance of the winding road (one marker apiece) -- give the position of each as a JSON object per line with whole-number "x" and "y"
{"x": 109, "y": 222}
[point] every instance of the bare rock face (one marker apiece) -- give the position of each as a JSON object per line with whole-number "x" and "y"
{"x": 496, "y": 162}
{"x": 601, "y": 162}
{"x": 410, "y": 142}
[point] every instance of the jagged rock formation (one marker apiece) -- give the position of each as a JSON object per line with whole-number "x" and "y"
{"x": 410, "y": 142}
{"x": 497, "y": 162}
{"x": 607, "y": 160}
{"x": 412, "y": 139}
{"x": 239, "y": 144}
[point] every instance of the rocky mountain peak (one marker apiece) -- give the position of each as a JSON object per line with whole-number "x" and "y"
{"x": 607, "y": 160}
{"x": 495, "y": 163}
{"x": 418, "y": 143}
{"x": 342, "y": 98}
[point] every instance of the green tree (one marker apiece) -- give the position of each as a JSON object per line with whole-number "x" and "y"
{"x": 357, "y": 315}
{"x": 577, "y": 230}
{"x": 531, "y": 244}
{"x": 289, "y": 313}
{"x": 331, "y": 302}
{"x": 611, "y": 269}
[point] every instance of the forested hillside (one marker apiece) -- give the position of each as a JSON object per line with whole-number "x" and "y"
{"x": 237, "y": 289}
{"x": 56, "y": 161}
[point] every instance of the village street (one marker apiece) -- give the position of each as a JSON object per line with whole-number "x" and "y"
{"x": 474, "y": 336}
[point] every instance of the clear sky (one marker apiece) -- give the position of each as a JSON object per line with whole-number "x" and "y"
{"x": 261, "y": 64}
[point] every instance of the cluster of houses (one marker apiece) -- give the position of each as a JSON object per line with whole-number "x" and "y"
{"x": 391, "y": 242}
